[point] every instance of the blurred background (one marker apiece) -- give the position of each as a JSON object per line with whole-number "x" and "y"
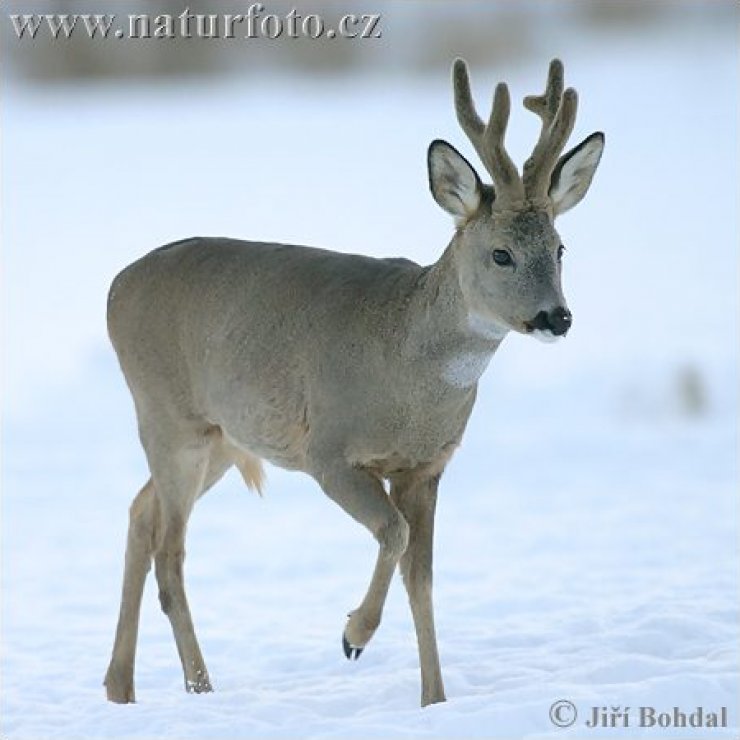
{"x": 111, "y": 147}
{"x": 410, "y": 38}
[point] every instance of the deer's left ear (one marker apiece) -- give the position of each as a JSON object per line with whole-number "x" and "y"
{"x": 573, "y": 173}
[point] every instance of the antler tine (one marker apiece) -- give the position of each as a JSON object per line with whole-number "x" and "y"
{"x": 546, "y": 105}
{"x": 487, "y": 139}
{"x": 467, "y": 117}
{"x": 557, "y": 109}
{"x": 508, "y": 175}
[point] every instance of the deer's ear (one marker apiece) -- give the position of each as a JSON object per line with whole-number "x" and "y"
{"x": 573, "y": 173}
{"x": 454, "y": 183}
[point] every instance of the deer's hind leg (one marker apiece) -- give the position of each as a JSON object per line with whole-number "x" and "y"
{"x": 158, "y": 517}
{"x": 182, "y": 471}
{"x": 143, "y": 514}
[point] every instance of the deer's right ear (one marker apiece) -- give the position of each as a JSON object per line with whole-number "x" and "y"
{"x": 454, "y": 183}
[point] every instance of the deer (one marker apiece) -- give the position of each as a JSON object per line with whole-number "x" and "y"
{"x": 360, "y": 372}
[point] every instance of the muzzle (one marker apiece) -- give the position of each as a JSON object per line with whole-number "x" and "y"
{"x": 557, "y": 321}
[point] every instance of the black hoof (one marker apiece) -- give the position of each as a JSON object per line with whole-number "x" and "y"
{"x": 351, "y": 651}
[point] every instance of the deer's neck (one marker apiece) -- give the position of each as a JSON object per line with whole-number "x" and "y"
{"x": 455, "y": 343}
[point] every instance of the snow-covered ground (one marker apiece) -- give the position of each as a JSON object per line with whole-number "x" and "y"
{"x": 588, "y": 527}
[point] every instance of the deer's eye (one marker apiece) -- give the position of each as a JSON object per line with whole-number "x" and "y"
{"x": 561, "y": 252}
{"x": 502, "y": 258}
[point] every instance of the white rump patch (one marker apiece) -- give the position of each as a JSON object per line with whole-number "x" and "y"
{"x": 465, "y": 369}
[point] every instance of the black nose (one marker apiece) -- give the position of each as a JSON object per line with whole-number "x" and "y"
{"x": 558, "y": 320}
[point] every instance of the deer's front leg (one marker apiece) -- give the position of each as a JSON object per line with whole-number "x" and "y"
{"x": 417, "y": 501}
{"x": 362, "y": 496}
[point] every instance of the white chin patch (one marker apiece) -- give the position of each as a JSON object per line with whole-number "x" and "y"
{"x": 545, "y": 335}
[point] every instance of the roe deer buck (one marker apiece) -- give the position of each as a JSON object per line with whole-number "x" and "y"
{"x": 354, "y": 370}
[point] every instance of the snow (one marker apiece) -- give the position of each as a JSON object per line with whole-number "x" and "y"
{"x": 587, "y": 529}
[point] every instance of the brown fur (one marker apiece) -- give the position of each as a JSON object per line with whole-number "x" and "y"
{"x": 354, "y": 370}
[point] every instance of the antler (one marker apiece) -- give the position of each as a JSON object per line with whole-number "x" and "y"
{"x": 557, "y": 109}
{"x": 488, "y": 139}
